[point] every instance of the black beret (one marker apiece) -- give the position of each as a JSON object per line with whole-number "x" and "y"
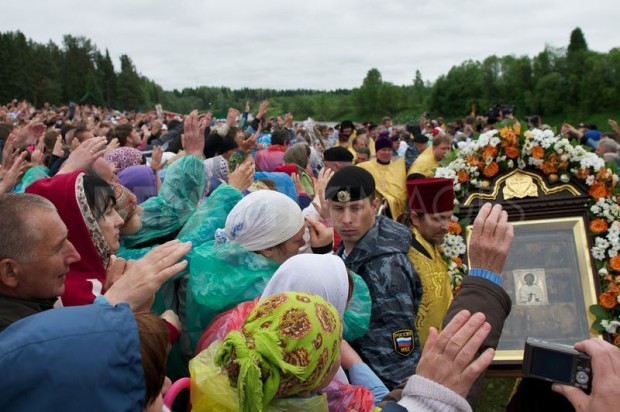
{"x": 350, "y": 184}
{"x": 338, "y": 154}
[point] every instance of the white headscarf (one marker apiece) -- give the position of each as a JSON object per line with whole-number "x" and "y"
{"x": 263, "y": 219}
{"x": 323, "y": 275}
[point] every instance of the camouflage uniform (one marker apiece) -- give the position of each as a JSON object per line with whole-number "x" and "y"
{"x": 390, "y": 347}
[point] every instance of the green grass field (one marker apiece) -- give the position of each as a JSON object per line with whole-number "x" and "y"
{"x": 496, "y": 394}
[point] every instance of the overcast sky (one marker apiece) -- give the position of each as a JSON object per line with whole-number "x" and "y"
{"x": 316, "y": 44}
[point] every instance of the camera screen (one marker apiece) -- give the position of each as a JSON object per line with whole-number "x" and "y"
{"x": 553, "y": 365}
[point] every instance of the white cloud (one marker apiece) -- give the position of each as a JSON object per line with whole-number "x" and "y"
{"x": 319, "y": 44}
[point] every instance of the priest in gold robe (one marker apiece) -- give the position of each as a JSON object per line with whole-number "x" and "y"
{"x": 390, "y": 178}
{"x": 431, "y": 201}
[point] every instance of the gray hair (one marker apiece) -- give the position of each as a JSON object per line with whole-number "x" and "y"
{"x": 19, "y": 233}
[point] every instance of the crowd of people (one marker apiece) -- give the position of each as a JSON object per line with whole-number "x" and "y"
{"x": 277, "y": 265}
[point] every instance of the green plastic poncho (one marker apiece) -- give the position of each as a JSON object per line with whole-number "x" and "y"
{"x": 175, "y": 203}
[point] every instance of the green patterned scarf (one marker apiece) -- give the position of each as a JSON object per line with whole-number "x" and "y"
{"x": 286, "y": 346}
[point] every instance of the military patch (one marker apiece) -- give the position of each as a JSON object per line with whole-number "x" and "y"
{"x": 403, "y": 341}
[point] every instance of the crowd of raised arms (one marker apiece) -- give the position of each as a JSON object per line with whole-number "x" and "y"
{"x": 261, "y": 263}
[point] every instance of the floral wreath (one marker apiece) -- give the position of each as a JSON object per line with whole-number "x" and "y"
{"x": 506, "y": 148}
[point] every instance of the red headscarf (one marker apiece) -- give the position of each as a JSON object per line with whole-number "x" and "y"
{"x": 86, "y": 278}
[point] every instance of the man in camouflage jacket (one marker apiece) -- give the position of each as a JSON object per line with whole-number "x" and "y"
{"x": 376, "y": 247}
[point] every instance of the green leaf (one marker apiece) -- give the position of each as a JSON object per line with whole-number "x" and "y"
{"x": 597, "y": 327}
{"x": 599, "y": 311}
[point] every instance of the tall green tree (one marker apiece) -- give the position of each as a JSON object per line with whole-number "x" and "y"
{"x": 577, "y": 41}
{"x": 130, "y": 93}
{"x": 366, "y": 98}
{"x": 106, "y": 77}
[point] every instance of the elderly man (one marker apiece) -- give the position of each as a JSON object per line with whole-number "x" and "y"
{"x": 427, "y": 162}
{"x": 35, "y": 256}
{"x": 431, "y": 201}
{"x": 375, "y": 247}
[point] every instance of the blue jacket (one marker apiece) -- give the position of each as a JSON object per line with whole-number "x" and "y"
{"x": 391, "y": 346}
{"x": 82, "y": 358}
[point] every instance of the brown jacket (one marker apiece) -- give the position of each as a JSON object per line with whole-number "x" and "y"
{"x": 476, "y": 295}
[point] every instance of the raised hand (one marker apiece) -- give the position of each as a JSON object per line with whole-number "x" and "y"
{"x": 193, "y": 140}
{"x": 156, "y": 156}
{"x": 10, "y": 175}
{"x": 448, "y": 357}
{"x": 57, "y": 151}
{"x": 263, "y": 108}
{"x": 243, "y": 176}
{"x": 491, "y": 239}
{"x": 144, "y": 277}
{"x": 319, "y": 202}
{"x": 84, "y": 155}
{"x": 298, "y": 187}
{"x": 231, "y": 117}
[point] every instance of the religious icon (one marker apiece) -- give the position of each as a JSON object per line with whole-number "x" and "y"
{"x": 530, "y": 287}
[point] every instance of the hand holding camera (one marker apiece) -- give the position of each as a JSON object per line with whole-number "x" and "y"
{"x": 605, "y": 378}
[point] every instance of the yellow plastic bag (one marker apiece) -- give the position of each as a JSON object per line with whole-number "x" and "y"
{"x": 211, "y": 390}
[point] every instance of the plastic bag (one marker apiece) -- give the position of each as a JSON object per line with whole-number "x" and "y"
{"x": 211, "y": 390}
{"x": 357, "y": 315}
{"x": 225, "y": 322}
{"x": 220, "y": 278}
{"x": 346, "y": 397}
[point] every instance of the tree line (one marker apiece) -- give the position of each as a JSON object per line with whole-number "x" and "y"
{"x": 572, "y": 81}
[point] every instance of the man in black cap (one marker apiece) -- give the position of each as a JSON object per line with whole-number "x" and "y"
{"x": 375, "y": 247}
{"x": 336, "y": 158}
{"x": 346, "y": 134}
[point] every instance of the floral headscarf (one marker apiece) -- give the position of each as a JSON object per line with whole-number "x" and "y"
{"x": 286, "y": 346}
{"x": 123, "y": 157}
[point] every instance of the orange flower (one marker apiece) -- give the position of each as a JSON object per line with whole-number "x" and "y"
{"x": 598, "y": 226}
{"x": 509, "y": 137}
{"x": 458, "y": 261}
{"x": 598, "y": 191}
{"x": 454, "y": 228}
{"x": 563, "y": 165}
{"x": 583, "y": 173}
{"x": 517, "y": 127}
{"x": 607, "y": 300}
{"x": 617, "y": 340}
{"x": 614, "y": 263}
{"x": 473, "y": 161}
{"x": 491, "y": 170}
{"x": 512, "y": 152}
{"x": 463, "y": 176}
{"x": 538, "y": 152}
{"x": 613, "y": 290}
{"x": 489, "y": 151}
{"x": 549, "y": 167}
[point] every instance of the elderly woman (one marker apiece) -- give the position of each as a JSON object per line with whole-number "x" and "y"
{"x": 286, "y": 351}
{"x": 261, "y": 232}
{"x": 328, "y": 277}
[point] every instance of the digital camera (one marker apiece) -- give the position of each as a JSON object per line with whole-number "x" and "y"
{"x": 555, "y": 362}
